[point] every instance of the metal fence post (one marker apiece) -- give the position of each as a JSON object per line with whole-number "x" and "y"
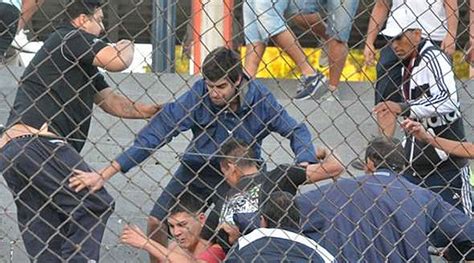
{"x": 164, "y": 38}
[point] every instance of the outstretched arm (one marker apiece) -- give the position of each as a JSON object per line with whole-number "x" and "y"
{"x": 134, "y": 236}
{"x": 328, "y": 167}
{"x": 169, "y": 122}
{"x": 278, "y": 120}
{"x": 121, "y": 106}
{"x": 458, "y": 148}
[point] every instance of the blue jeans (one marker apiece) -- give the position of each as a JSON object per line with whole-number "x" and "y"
{"x": 340, "y": 15}
{"x": 56, "y": 223}
{"x": 265, "y": 19}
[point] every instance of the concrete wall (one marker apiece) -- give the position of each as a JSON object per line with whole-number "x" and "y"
{"x": 344, "y": 126}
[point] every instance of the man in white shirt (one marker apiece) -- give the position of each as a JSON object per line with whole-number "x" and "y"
{"x": 438, "y": 20}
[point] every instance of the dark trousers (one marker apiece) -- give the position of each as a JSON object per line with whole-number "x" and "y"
{"x": 56, "y": 223}
{"x": 389, "y": 76}
{"x": 9, "y": 16}
{"x": 454, "y": 187}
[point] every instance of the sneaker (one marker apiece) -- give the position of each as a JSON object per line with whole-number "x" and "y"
{"x": 323, "y": 57}
{"x": 21, "y": 43}
{"x": 312, "y": 85}
{"x": 332, "y": 95}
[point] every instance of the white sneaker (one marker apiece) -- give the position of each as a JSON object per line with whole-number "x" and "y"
{"x": 21, "y": 42}
{"x": 332, "y": 95}
{"x": 323, "y": 57}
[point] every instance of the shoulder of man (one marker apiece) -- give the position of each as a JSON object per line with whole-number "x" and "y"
{"x": 430, "y": 52}
{"x": 286, "y": 169}
{"x": 199, "y": 88}
{"x": 254, "y": 90}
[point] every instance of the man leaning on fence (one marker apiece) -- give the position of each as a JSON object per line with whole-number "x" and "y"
{"x": 277, "y": 238}
{"x": 47, "y": 128}
{"x": 381, "y": 216}
{"x": 430, "y": 95}
{"x": 223, "y": 104}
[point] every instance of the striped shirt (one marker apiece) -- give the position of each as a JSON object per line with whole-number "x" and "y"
{"x": 433, "y": 100}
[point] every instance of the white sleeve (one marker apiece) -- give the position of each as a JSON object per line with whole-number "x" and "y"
{"x": 442, "y": 97}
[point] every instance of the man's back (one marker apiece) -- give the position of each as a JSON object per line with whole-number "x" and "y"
{"x": 379, "y": 217}
{"x": 277, "y": 245}
{"x": 60, "y": 84}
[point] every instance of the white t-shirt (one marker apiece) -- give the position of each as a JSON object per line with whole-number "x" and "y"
{"x": 16, "y": 3}
{"x": 430, "y": 14}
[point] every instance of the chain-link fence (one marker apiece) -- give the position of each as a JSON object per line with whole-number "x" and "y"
{"x": 188, "y": 161}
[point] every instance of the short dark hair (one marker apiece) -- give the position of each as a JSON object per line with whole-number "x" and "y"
{"x": 187, "y": 203}
{"x": 76, "y": 8}
{"x": 386, "y": 153}
{"x": 239, "y": 152}
{"x": 280, "y": 211}
{"x": 222, "y": 62}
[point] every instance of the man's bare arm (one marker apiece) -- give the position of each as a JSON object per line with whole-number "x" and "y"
{"x": 116, "y": 57}
{"x": 377, "y": 19}
{"x": 329, "y": 167}
{"x": 458, "y": 148}
{"x": 452, "y": 16}
{"x": 28, "y": 9}
{"x": 121, "y": 106}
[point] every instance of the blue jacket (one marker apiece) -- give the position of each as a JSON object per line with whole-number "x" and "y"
{"x": 258, "y": 115}
{"x": 381, "y": 217}
{"x": 277, "y": 245}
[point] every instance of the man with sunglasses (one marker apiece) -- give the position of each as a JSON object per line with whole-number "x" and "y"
{"x": 47, "y": 128}
{"x": 430, "y": 96}
{"x": 224, "y": 104}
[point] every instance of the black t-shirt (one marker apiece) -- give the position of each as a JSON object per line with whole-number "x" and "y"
{"x": 59, "y": 85}
{"x": 254, "y": 189}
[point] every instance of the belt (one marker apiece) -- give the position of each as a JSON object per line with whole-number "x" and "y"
{"x": 39, "y": 136}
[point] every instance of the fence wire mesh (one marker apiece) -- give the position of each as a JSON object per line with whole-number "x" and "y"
{"x": 209, "y": 164}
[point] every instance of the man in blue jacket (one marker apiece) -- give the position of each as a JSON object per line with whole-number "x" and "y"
{"x": 381, "y": 216}
{"x": 223, "y": 104}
